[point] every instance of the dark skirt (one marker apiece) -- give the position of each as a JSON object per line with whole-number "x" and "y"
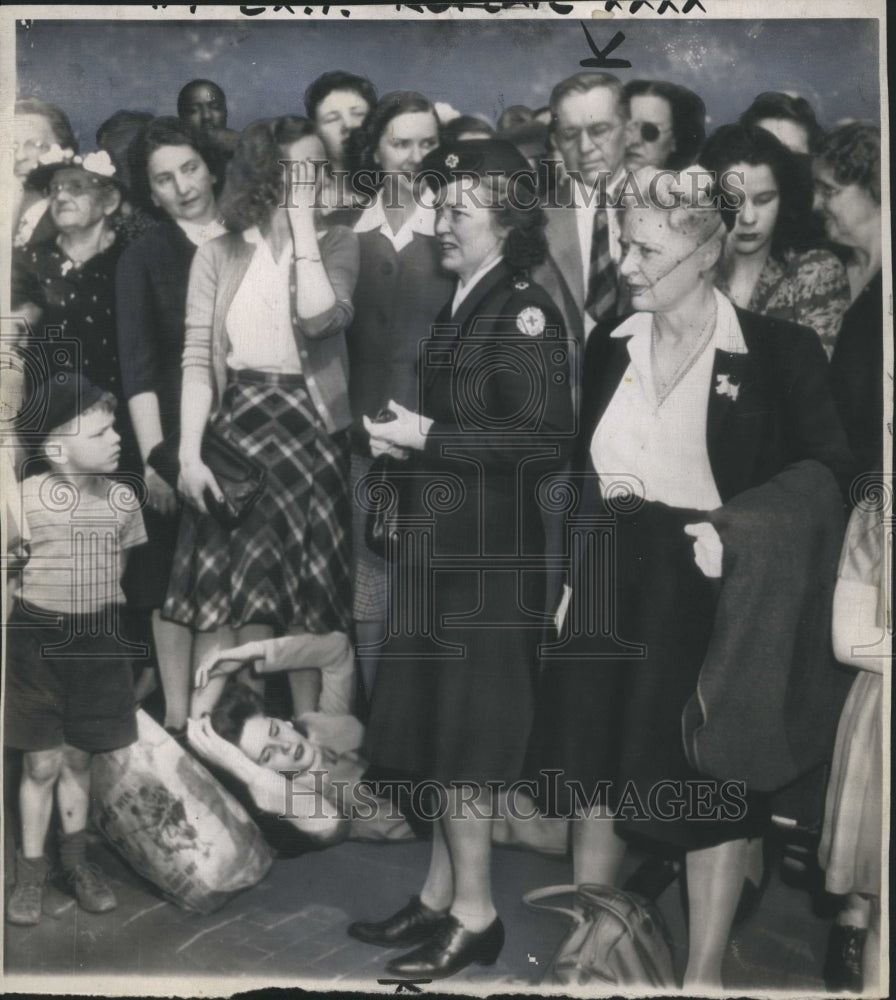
{"x": 287, "y": 564}
{"x": 463, "y": 717}
{"x": 369, "y": 571}
{"x": 609, "y": 716}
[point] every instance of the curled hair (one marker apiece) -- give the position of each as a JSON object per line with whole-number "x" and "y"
{"x": 516, "y": 209}
{"x": 362, "y": 143}
{"x": 156, "y": 134}
{"x": 57, "y": 118}
{"x": 777, "y": 105}
{"x": 337, "y": 79}
{"x": 235, "y": 707}
{"x": 253, "y": 185}
{"x": 852, "y": 153}
{"x": 688, "y": 117}
{"x": 731, "y": 145}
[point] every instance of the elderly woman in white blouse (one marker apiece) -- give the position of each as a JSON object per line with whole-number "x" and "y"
{"x": 686, "y": 404}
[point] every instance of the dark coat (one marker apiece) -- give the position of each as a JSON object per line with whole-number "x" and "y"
{"x": 151, "y": 300}
{"x": 397, "y": 295}
{"x": 453, "y": 694}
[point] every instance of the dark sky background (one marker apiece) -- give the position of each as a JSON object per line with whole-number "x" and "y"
{"x": 92, "y": 69}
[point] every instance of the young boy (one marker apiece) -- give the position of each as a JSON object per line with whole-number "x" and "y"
{"x": 69, "y": 686}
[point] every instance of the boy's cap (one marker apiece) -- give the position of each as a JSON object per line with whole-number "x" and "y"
{"x": 67, "y": 395}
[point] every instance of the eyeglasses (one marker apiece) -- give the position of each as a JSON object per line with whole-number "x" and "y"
{"x": 599, "y": 133}
{"x": 649, "y": 131}
{"x": 75, "y": 186}
{"x": 30, "y": 146}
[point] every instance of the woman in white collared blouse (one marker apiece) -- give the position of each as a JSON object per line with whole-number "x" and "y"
{"x": 401, "y": 288}
{"x": 688, "y": 405}
{"x": 265, "y": 361}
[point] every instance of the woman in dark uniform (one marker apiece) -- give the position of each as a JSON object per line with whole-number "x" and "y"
{"x": 453, "y": 697}
{"x": 687, "y": 405}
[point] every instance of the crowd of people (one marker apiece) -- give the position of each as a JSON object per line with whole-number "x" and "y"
{"x": 491, "y": 342}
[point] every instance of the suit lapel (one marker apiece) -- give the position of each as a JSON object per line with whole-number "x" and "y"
{"x": 734, "y": 396}
{"x": 562, "y": 233}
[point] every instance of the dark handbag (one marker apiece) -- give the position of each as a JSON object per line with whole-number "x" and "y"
{"x": 241, "y": 479}
{"x": 617, "y": 939}
{"x": 380, "y": 492}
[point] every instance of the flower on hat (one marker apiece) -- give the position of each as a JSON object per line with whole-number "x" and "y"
{"x": 97, "y": 163}
{"x": 56, "y": 154}
{"x": 451, "y": 161}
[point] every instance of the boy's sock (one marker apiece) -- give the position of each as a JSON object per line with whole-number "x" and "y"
{"x": 91, "y": 889}
{"x": 72, "y": 850}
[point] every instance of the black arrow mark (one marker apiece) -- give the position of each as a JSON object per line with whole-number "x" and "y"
{"x": 600, "y": 60}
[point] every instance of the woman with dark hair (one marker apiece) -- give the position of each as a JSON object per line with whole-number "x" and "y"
{"x": 401, "y": 287}
{"x": 766, "y": 265}
{"x": 846, "y": 168}
{"x": 666, "y": 124}
{"x": 173, "y": 176}
{"x": 337, "y": 102}
{"x": 453, "y": 699}
{"x": 790, "y": 119}
{"x": 265, "y": 361}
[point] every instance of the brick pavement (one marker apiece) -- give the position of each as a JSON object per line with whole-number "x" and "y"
{"x": 292, "y": 927}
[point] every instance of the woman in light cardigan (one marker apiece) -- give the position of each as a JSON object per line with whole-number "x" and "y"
{"x": 265, "y": 361}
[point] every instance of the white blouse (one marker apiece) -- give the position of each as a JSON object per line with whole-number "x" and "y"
{"x": 259, "y": 321}
{"x": 658, "y": 450}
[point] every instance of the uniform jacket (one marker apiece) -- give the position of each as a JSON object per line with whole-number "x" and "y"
{"x": 495, "y": 381}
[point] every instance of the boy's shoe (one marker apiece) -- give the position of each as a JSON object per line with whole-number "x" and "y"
{"x": 25, "y": 901}
{"x": 91, "y": 889}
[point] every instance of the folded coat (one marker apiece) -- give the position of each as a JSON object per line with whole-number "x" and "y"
{"x": 770, "y": 693}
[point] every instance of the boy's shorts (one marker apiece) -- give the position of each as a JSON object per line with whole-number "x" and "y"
{"x": 84, "y": 699}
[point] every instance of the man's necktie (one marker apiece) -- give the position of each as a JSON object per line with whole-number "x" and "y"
{"x": 600, "y": 300}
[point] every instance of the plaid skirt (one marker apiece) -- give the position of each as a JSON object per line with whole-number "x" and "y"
{"x": 288, "y": 564}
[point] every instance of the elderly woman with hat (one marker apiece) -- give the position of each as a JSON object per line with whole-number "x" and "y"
{"x": 75, "y": 271}
{"x": 453, "y": 699}
{"x": 709, "y": 440}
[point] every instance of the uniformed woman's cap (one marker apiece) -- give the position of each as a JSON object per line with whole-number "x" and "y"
{"x": 482, "y": 158}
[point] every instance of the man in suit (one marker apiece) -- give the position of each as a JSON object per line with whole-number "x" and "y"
{"x": 588, "y": 122}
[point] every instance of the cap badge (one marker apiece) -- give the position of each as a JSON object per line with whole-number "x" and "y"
{"x": 451, "y": 161}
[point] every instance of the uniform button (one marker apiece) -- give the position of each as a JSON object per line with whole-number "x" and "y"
{"x": 387, "y": 267}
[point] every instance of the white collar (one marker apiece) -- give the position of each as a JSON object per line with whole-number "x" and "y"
{"x": 726, "y": 337}
{"x": 423, "y": 221}
{"x": 199, "y": 233}
{"x": 463, "y": 291}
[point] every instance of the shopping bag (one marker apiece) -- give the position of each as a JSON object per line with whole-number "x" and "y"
{"x": 163, "y": 812}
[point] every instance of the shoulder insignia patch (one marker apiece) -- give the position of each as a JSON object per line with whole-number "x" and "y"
{"x": 531, "y": 321}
